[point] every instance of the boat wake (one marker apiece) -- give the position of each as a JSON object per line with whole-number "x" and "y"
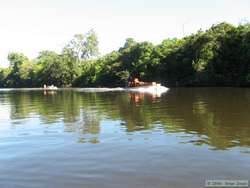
{"x": 149, "y": 89}
{"x": 158, "y": 90}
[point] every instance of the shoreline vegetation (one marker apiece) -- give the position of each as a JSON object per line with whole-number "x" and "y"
{"x": 219, "y": 56}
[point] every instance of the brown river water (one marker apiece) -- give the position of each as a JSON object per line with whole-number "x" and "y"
{"x": 73, "y": 139}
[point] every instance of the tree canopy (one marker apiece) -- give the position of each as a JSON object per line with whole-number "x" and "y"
{"x": 84, "y": 46}
{"x": 219, "y": 56}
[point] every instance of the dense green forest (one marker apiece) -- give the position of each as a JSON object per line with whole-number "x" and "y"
{"x": 219, "y": 56}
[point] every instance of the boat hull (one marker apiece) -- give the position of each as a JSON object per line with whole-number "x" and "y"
{"x": 149, "y": 89}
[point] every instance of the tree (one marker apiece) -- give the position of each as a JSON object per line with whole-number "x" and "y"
{"x": 84, "y": 46}
{"x": 69, "y": 58}
{"x": 20, "y": 70}
{"x": 219, "y": 56}
{"x": 2, "y": 78}
{"x": 53, "y": 69}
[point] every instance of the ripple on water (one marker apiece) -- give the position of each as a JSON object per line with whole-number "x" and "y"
{"x": 76, "y": 139}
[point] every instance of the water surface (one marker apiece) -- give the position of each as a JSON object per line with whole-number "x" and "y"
{"x": 117, "y": 139}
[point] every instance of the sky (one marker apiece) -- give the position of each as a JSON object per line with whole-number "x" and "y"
{"x": 30, "y": 26}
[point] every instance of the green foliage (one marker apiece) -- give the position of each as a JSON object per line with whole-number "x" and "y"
{"x": 88, "y": 73}
{"x": 2, "y": 78}
{"x": 219, "y": 56}
{"x": 84, "y": 46}
{"x": 72, "y": 63}
{"x": 53, "y": 69}
{"x": 20, "y": 72}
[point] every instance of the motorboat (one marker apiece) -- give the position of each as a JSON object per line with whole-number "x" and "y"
{"x": 146, "y": 87}
{"x": 154, "y": 89}
{"x": 50, "y": 88}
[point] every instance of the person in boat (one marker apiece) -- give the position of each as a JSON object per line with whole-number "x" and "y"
{"x": 136, "y": 83}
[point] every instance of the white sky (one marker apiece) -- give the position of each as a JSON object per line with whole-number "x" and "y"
{"x": 30, "y": 26}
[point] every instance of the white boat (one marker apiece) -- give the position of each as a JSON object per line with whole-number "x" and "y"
{"x": 153, "y": 89}
{"x": 51, "y": 88}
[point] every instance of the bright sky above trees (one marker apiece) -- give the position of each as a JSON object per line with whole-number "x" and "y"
{"x": 30, "y": 26}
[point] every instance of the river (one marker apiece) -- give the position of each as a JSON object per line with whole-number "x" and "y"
{"x": 69, "y": 138}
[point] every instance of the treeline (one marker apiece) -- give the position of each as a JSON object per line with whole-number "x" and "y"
{"x": 219, "y": 56}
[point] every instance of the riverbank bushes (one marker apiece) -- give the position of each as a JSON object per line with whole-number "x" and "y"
{"x": 219, "y": 56}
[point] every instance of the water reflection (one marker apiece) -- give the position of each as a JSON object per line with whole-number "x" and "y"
{"x": 47, "y": 92}
{"x": 137, "y": 98}
{"x": 218, "y": 117}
